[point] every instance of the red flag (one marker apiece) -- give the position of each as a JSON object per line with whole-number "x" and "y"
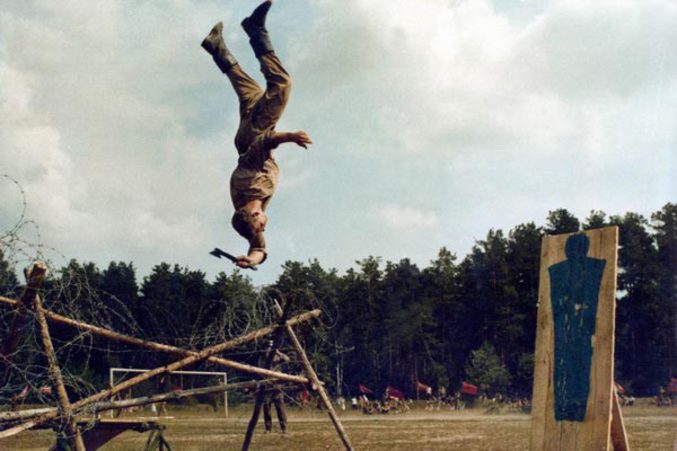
{"x": 392, "y": 392}
{"x": 468, "y": 389}
{"x": 365, "y": 391}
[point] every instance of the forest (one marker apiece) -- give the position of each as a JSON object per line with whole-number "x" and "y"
{"x": 384, "y": 323}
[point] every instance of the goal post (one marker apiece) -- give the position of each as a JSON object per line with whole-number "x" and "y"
{"x": 222, "y": 375}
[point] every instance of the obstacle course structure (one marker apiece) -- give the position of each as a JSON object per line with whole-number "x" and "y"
{"x": 66, "y": 417}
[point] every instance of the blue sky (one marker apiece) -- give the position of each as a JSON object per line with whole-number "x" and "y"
{"x": 433, "y": 121}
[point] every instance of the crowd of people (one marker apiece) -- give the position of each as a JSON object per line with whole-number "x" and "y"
{"x": 667, "y": 397}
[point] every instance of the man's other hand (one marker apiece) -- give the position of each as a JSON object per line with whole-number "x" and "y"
{"x": 254, "y": 258}
{"x": 244, "y": 262}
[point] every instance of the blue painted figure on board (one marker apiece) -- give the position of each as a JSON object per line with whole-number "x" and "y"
{"x": 574, "y": 293}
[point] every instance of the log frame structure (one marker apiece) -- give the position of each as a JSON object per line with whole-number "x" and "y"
{"x": 30, "y": 303}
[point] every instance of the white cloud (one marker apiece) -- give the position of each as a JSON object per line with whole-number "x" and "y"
{"x": 119, "y": 127}
{"x": 447, "y": 78}
{"x": 406, "y": 218}
{"x": 32, "y": 152}
{"x": 93, "y": 115}
{"x": 603, "y": 50}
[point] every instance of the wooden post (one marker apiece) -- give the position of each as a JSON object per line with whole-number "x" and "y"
{"x": 574, "y": 359}
{"x": 261, "y": 393}
{"x": 108, "y": 334}
{"x": 312, "y": 375}
{"x": 199, "y": 356}
{"x": 75, "y": 438}
{"x": 619, "y": 438}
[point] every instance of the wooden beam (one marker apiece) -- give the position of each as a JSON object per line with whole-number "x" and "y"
{"x": 312, "y": 375}
{"x": 8, "y": 301}
{"x": 74, "y": 436}
{"x": 140, "y": 401}
{"x": 619, "y": 438}
{"x": 15, "y": 415}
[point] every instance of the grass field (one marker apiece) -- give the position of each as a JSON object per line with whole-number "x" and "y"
{"x": 196, "y": 428}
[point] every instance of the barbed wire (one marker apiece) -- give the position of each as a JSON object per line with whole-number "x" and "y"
{"x": 69, "y": 291}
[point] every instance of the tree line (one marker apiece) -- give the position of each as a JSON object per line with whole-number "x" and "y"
{"x": 384, "y": 323}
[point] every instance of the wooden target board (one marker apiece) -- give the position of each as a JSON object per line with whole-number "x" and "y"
{"x": 574, "y": 360}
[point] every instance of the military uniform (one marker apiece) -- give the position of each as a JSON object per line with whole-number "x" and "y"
{"x": 256, "y": 174}
{"x": 275, "y": 396}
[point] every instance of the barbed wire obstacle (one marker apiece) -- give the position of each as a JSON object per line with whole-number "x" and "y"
{"x": 63, "y": 417}
{"x": 81, "y": 315}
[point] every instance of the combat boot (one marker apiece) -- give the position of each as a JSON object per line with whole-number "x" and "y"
{"x": 216, "y": 47}
{"x": 255, "y": 27}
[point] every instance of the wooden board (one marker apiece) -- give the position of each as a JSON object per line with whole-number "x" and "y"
{"x": 563, "y": 418}
{"x": 619, "y": 437}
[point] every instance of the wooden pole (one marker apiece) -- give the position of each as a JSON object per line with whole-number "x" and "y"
{"x": 261, "y": 394}
{"x": 312, "y": 375}
{"x": 143, "y": 400}
{"x": 74, "y": 437}
{"x": 199, "y": 356}
{"x": 8, "y": 300}
{"x": 619, "y": 438}
{"x": 23, "y": 414}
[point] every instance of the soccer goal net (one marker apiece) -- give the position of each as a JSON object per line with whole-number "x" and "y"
{"x": 165, "y": 383}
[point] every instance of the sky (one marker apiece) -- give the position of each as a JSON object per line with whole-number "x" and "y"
{"x": 433, "y": 121}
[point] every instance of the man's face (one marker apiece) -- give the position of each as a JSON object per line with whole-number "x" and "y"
{"x": 259, "y": 220}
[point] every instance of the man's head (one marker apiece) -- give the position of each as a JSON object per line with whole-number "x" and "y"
{"x": 250, "y": 223}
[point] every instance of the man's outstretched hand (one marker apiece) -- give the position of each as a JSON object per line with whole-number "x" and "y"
{"x": 300, "y": 138}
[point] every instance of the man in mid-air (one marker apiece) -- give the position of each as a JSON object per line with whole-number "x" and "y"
{"x": 254, "y": 180}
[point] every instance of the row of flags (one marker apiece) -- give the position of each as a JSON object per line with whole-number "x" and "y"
{"x": 471, "y": 390}
{"x": 392, "y": 392}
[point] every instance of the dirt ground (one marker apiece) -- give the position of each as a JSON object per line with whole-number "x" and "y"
{"x": 198, "y": 428}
